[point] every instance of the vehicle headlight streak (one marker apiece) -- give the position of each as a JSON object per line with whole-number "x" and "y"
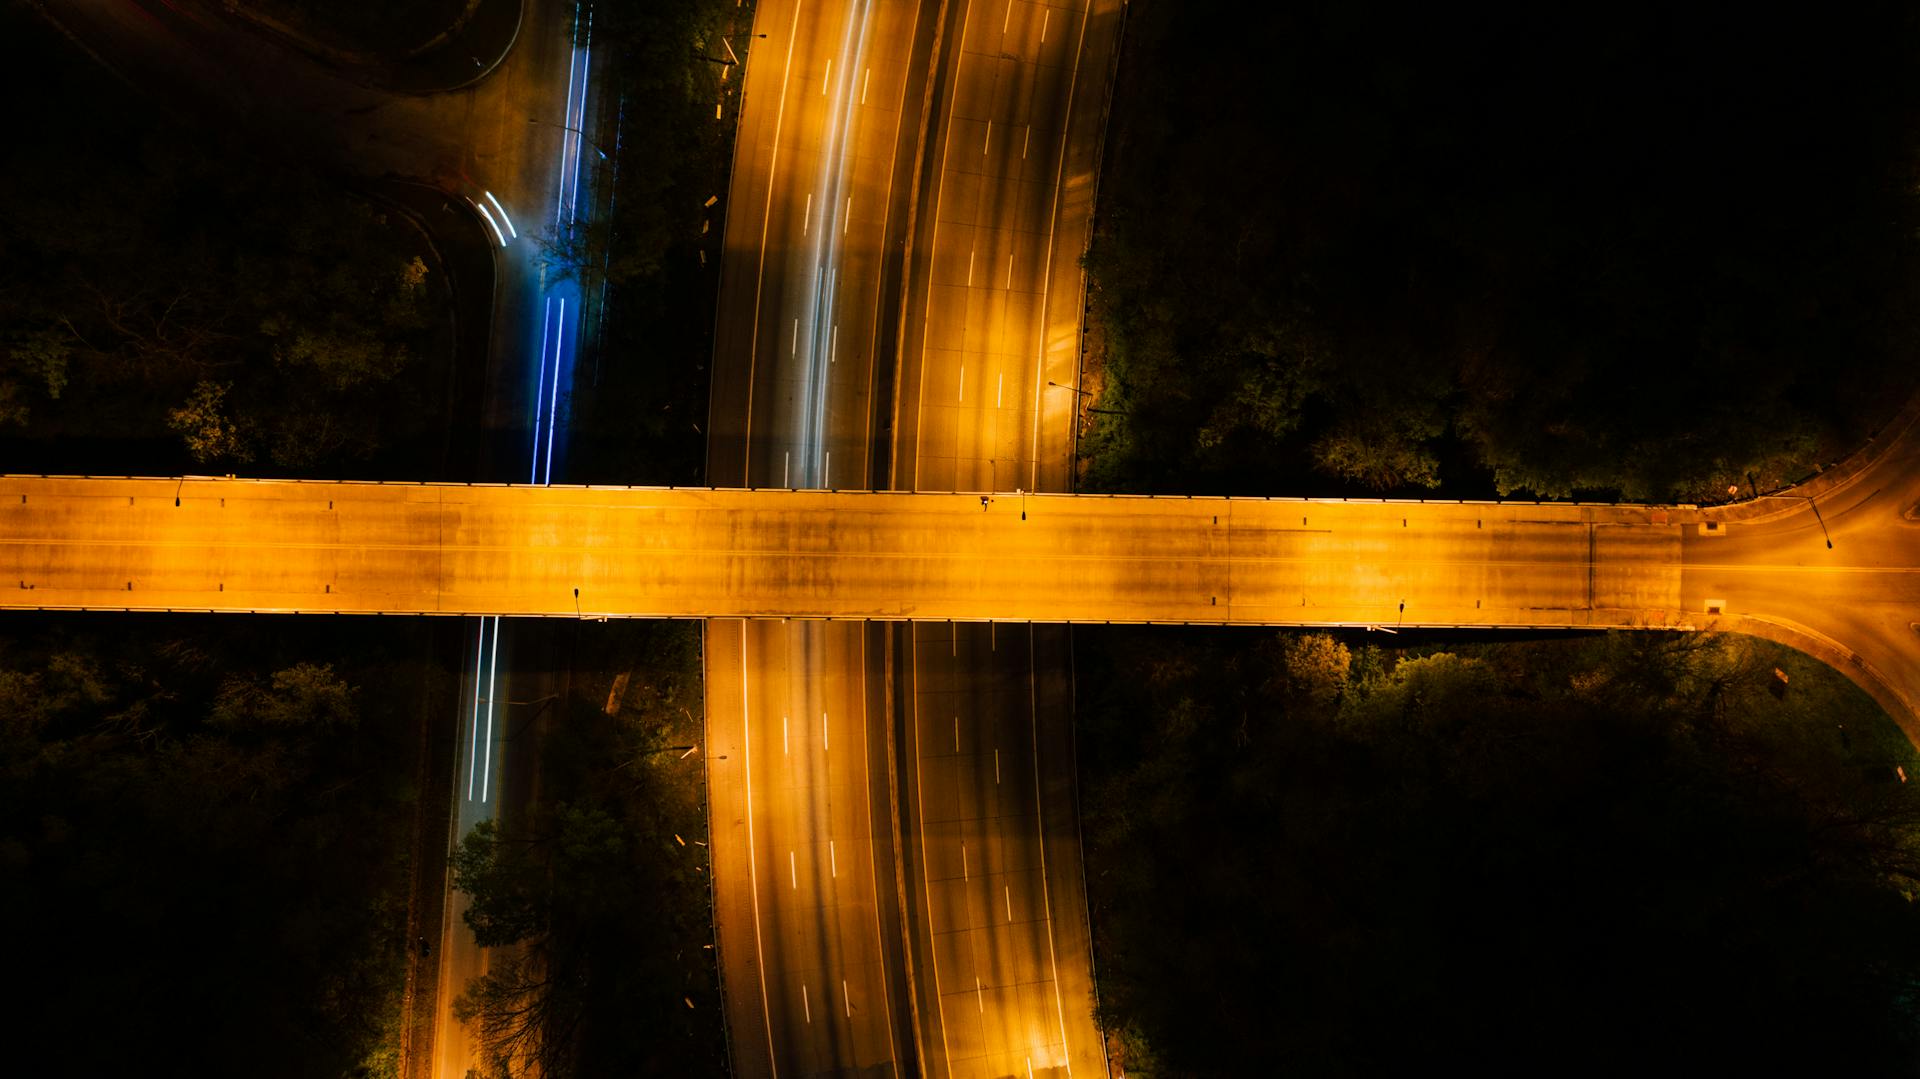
{"x": 479, "y": 759}
{"x": 553, "y": 328}
{"x": 824, "y": 254}
{"x": 566, "y": 199}
{"x": 553, "y": 343}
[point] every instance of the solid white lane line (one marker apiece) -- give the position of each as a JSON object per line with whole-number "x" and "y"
{"x": 956, "y": 734}
{"x": 833, "y": 860}
{"x": 473, "y": 728}
{"x": 833, "y": 348}
{"x": 760, "y": 280}
{"x": 1009, "y": 271}
{"x": 965, "y": 872}
{"x": 1007, "y": 20}
{"x": 786, "y": 470}
{"x": 979, "y": 998}
{"x": 753, "y": 858}
{"x": 1046, "y": 290}
{"x": 846, "y": 996}
{"x": 806, "y": 216}
{"x": 1040, "y": 828}
{"x": 1046, "y": 14}
{"x": 873, "y": 865}
{"x": 999, "y": 395}
{"x": 848, "y": 223}
{"x": 920, "y": 806}
{"x": 827, "y": 480}
{"x": 963, "y": 383}
{"x": 793, "y": 346}
{"x": 996, "y": 767}
{"x": 970, "y": 255}
{"x": 1025, "y": 142}
{"x": 793, "y": 870}
{"x": 824, "y": 83}
{"x": 825, "y": 742}
{"x": 1007, "y": 890}
{"x": 864, "y": 83}
{"x": 988, "y": 141}
{"x": 493, "y": 673}
{"x": 805, "y": 1003}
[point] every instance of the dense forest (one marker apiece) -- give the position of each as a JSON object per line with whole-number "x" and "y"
{"x": 205, "y": 830}
{"x": 1309, "y": 855}
{"x": 1637, "y": 251}
{"x": 170, "y": 302}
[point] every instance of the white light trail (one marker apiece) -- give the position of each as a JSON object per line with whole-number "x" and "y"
{"x": 511, "y": 231}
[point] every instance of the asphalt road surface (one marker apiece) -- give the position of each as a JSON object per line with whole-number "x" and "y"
{"x": 988, "y": 399}
{"x": 806, "y": 896}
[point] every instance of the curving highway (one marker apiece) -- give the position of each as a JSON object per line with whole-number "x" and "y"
{"x": 988, "y": 398}
{"x": 806, "y": 903}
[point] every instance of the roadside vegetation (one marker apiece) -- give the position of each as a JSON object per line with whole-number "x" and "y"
{"x": 1307, "y": 855}
{"x": 639, "y": 408}
{"x": 170, "y": 303}
{"x": 1365, "y": 248}
{"x": 600, "y": 905}
{"x": 203, "y": 843}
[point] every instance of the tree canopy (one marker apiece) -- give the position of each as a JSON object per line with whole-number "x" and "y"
{"x": 1368, "y": 247}
{"x": 1572, "y": 856}
{"x": 166, "y": 293}
{"x": 198, "y": 845}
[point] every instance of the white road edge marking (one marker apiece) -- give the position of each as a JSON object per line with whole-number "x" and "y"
{"x": 833, "y": 860}
{"x": 793, "y": 870}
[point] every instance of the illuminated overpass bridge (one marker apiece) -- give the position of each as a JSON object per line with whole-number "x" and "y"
{"x": 365, "y": 548}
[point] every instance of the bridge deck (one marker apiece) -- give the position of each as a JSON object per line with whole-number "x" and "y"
{"x": 283, "y": 546}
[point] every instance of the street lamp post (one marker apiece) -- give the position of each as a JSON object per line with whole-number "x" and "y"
{"x": 1086, "y": 393}
{"x": 575, "y": 130}
{"x": 1816, "y": 515}
{"x": 734, "y": 57}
